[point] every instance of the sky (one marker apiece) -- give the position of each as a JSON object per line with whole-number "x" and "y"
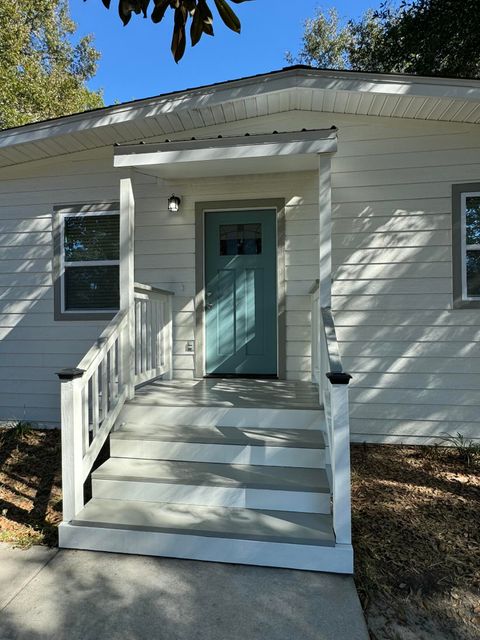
{"x": 136, "y": 61}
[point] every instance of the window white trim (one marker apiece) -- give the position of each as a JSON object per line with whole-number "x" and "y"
{"x": 79, "y": 263}
{"x": 464, "y": 246}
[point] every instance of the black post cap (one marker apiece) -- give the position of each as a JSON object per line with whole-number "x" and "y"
{"x": 70, "y": 374}
{"x": 339, "y": 377}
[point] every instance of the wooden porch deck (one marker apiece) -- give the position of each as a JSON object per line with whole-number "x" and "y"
{"x": 230, "y": 392}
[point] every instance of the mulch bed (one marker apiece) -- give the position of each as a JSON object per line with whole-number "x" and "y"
{"x": 416, "y": 529}
{"x": 30, "y": 486}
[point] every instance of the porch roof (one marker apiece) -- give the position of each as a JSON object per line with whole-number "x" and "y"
{"x": 250, "y": 153}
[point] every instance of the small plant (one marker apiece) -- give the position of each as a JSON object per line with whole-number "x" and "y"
{"x": 467, "y": 450}
{"x": 22, "y": 428}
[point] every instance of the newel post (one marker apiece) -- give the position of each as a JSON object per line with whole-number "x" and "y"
{"x": 72, "y": 442}
{"x": 127, "y": 278}
{"x": 340, "y": 451}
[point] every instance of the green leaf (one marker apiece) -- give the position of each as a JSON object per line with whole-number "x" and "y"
{"x": 124, "y": 11}
{"x": 196, "y": 28}
{"x": 207, "y": 17}
{"x": 159, "y": 11}
{"x": 228, "y": 16}
{"x": 190, "y": 5}
{"x": 179, "y": 38}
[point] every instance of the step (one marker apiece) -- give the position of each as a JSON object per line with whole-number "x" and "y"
{"x": 239, "y": 445}
{"x": 204, "y": 483}
{"x": 244, "y": 536}
{"x": 144, "y": 413}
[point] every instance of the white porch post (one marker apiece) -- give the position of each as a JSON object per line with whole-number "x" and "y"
{"x": 127, "y": 277}
{"x": 325, "y": 229}
{"x": 325, "y": 257}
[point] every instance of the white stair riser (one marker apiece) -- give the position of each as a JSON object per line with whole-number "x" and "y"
{"x": 224, "y": 417}
{"x": 338, "y": 559}
{"x": 303, "y": 501}
{"x": 229, "y": 454}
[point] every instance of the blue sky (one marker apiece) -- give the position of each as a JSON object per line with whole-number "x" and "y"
{"x": 136, "y": 60}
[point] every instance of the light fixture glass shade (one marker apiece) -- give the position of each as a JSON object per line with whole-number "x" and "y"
{"x": 174, "y": 203}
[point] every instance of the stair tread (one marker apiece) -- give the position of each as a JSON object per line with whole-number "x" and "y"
{"x": 214, "y": 474}
{"x": 292, "y": 438}
{"x": 224, "y": 522}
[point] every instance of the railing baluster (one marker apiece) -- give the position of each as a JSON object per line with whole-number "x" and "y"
{"x": 85, "y": 419}
{"x": 104, "y": 378}
{"x": 95, "y": 404}
{"x": 161, "y": 336}
{"x": 111, "y": 376}
{"x": 144, "y": 336}
{"x": 148, "y": 338}
{"x": 138, "y": 335}
{"x": 158, "y": 334}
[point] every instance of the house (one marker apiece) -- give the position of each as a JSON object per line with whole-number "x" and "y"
{"x": 208, "y": 270}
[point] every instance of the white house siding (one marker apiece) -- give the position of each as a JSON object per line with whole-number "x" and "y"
{"x": 415, "y": 361}
{"x": 32, "y": 345}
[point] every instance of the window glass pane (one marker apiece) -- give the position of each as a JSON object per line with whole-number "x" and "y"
{"x": 240, "y": 239}
{"x": 472, "y": 216}
{"x": 92, "y": 238}
{"x": 92, "y": 288}
{"x": 473, "y": 274}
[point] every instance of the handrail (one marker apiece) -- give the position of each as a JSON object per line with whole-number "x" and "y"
{"x": 333, "y": 380}
{"x": 134, "y": 348}
{"x": 335, "y": 372}
{"x": 147, "y": 288}
{"x": 103, "y": 343}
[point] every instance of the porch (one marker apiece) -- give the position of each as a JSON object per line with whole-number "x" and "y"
{"x": 251, "y": 470}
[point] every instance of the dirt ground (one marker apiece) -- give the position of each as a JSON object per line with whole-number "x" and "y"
{"x": 416, "y": 535}
{"x": 416, "y": 528}
{"x": 30, "y": 486}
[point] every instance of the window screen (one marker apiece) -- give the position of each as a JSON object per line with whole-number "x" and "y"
{"x": 91, "y": 259}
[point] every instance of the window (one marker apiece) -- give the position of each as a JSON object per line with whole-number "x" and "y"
{"x": 88, "y": 262}
{"x": 240, "y": 239}
{"x": 466, "y": 241}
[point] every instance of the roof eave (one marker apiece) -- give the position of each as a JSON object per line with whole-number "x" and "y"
{"x": 210, "y": 95}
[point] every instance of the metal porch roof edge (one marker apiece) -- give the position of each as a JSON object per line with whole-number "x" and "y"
{"x": 278, "y": 80}
{"x": 225, "y": 141}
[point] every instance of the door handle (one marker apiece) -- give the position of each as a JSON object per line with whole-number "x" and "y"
{"x": 209, "y": 305}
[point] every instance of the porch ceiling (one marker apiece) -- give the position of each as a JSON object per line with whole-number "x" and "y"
{"x": 233, "y": 155}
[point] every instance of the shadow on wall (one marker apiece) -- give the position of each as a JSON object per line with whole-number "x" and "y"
{"x": 412, "y": 358}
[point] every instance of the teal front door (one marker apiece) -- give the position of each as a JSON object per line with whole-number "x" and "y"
{"x": 241, "y": 293}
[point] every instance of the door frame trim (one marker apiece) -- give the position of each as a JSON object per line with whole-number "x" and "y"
{"x": 201, "y": 208}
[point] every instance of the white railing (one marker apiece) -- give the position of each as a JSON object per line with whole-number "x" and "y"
{"x": 135, "y": 347}
{"x": 328, "y": 373}
{"x": 153, "y": 333}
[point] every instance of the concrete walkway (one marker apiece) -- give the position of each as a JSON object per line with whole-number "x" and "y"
{"x": 81, "y": 595}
